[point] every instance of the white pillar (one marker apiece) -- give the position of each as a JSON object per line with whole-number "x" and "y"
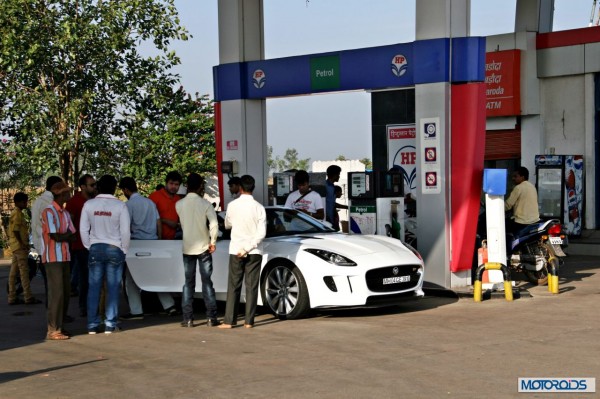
{"x": 243, "y": 122}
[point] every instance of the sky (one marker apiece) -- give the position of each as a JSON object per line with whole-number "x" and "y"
{"x": 322, "y": 127}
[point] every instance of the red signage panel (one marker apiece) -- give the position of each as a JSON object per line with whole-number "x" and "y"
{"x": 503, "y": 83}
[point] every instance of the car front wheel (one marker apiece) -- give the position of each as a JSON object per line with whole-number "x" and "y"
{"x": 284, "y": 292}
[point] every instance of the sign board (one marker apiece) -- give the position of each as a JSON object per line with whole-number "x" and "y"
{"x": 429, "y": 132}
{"x": 325, "y": 73}
{"x": 363, "y": 219}
{"x": 503, "y": 83}
{"x": 402, "y": 153}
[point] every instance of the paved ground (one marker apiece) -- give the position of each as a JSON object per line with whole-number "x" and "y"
{"x": 438, "y": 347}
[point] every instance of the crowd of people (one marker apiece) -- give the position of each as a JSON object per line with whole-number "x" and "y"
{"x": 83, "y": 239}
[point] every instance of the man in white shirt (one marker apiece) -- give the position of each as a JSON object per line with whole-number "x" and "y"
{"x": 105, "y": 232}
{"x": 304, "y": 199}
{"x": 198, "y": 245}
{"x": 247, "y": 220}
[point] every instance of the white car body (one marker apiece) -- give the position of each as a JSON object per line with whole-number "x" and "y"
{"x": 394, "y": 271}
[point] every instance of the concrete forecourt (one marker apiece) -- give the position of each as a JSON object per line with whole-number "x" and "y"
{"x": 437, "y": 347}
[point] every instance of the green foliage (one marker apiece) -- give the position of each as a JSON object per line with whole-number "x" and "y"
{"x": 368, "y": 163}
{"x": 72, "y": 80}
{"x": 289, "y": 161}
{"x": 180, "y": 137}
{"x": 340, "y": 158}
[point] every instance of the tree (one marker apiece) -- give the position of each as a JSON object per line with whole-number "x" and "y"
{"x": 340, "y": 158}
{"x": 290, "y": 161}
{"x": 70, "y": 71}
{"x": 181, "y": 137}
{"x": 368, "y": 163}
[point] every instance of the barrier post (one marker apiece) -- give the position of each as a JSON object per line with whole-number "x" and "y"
{"x": 553, "y": 275}
{"x": 477, "y": 294}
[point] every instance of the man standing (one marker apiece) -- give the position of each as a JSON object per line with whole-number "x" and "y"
{"x": 247, "y": 220}
{"x": 304, "y": 199}
{"x": 165, "y": 200}
{"x": 39, "y": 205}
{"x": 234, "y": 187}
{"x": 523, "y": 201}
{"x": 333, "y": 176}
{"x": 79, "y": 254}
{"x": 145, "y": 225}
{"x": 104, "y": 228}
{"x": 198, "y": 245}
{"x": 57, "y": 232}
{"x": 18, "y": 236}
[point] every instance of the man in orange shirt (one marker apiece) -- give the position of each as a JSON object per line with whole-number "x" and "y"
{"x": 165, "y": 200}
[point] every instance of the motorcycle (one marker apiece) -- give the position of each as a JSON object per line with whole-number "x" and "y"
{"x": 534, "y": 248}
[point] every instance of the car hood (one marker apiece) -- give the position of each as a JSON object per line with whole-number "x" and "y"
{"x": 345, "y": 244}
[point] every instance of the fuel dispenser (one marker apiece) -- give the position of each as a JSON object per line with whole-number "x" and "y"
{"x": 377, "y": 203}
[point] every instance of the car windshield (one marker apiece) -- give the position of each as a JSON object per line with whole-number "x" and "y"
{"x": 281, "y": 222}
{"x": 284, "y": 221}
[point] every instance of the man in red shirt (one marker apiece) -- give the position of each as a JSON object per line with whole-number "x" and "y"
{"x": 165, "y": 200}
{"x": 79, "y": 254}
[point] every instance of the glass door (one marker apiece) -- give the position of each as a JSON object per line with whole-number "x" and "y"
{"x": 550, "y": 187}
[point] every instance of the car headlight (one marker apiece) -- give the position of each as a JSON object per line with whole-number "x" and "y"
{"x": 331, "y": 257}
{"x": 413, "y": 250}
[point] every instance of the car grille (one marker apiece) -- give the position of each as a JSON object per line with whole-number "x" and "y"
{"x": 375, "y": 278}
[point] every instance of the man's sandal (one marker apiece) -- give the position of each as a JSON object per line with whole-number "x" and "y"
{"x": 57, "y": 336}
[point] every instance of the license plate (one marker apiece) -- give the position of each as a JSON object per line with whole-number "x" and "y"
{"x": 555, "y": 240}
{"x": 396, "y": 280}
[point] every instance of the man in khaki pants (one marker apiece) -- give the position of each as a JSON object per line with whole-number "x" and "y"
{"x": 18, "y": 233}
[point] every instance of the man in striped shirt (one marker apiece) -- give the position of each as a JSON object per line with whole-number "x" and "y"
{"x": 57, "y": 232}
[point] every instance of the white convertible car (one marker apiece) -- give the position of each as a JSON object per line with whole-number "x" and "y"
{"x": 306, "y": 265}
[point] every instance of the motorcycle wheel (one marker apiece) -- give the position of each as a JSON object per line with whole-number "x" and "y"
{"x": 540, "y": 277}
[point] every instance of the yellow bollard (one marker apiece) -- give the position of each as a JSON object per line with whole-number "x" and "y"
{"x": 508, "y": 294}
{"x": 549, "y": 282}
{"x": 477, "y": 291}
{"x": 554, "y": 280}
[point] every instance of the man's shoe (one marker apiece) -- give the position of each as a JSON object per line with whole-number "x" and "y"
{"x": 172, "y": 311}
{"x": 33, "y": 301}
{"x": 213, "y": 323}
{"x": 93, "y": 331}
{"x": 131, "y": 316}
{"x": 188, "y": 323}
{"x": 112, "y": 330}
{"x": 17, "y": 301}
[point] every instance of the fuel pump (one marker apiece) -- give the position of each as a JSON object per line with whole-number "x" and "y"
{"x": 377, "y": 203}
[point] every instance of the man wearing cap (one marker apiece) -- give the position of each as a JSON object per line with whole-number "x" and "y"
{"x": 57, "y": 232}
{"x": 105, "y": 232}
{"x": 36, "y": 225}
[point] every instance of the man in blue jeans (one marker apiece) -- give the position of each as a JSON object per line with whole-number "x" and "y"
{"x": 198, "y": 245}
{"x": 104, "y": 229}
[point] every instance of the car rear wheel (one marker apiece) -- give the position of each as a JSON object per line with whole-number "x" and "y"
{"x": 284, "y": 292}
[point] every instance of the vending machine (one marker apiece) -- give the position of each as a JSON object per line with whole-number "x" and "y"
{"x": 559, "y": 182}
